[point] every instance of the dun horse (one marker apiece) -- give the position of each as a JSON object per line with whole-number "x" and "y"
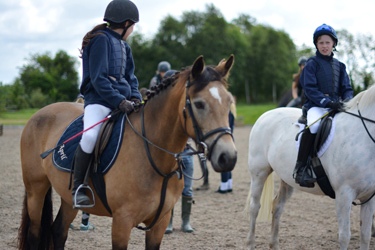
{"x": 143, "y": 184}
{"x": 348, "y": 163}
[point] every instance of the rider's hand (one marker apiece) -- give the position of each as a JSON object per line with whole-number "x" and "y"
{"x": 136, "y": 101}
{"x": 126, "y": 106}
{"x": 137, "y": 104}
{"x": 337, "y": 106}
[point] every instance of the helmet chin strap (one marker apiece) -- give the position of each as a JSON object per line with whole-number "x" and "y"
{"x": 124, "y": 31}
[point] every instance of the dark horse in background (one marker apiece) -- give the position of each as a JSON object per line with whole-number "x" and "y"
{"x": 193, "y": 103}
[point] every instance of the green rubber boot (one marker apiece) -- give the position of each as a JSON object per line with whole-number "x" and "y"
{"x": 185, "y": 214}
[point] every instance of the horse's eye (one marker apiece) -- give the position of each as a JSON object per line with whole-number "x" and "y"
{"x": 199, "y": 105}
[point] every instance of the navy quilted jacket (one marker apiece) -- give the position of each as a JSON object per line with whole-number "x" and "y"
{"x": 324, "y": 79}
{"x": 108, "y": 69}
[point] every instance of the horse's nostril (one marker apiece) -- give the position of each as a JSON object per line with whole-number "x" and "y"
{"x": 227, "y": 161}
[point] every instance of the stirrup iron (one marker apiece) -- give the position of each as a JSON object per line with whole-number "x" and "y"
{"x": 83, "y": 187}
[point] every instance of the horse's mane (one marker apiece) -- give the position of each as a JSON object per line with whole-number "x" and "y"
{"x": 365, "y": 97}
{"x": 165, "y": 83}
{"x": 209, "y": 74}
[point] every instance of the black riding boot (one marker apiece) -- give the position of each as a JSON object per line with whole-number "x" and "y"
{"x": 303, "y": 118}
{"x": 81, "y": 163}
{"x": 303, "y": 175}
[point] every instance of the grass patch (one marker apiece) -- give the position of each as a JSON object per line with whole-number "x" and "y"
{"x": 246, "y": 114}
{"x": 19, "y": 117}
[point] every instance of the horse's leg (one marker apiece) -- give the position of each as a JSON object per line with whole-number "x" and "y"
{"x": 121, "y": 229}
{"x": 367, "y": 212}
{"x": 256, "y": 187}
{"x": 343, "y": 205}
{"x": 285, "y": 192}
{"x": 60, "y": 226}
{"x": 156, "y": 234}
{"x": 39, "y": 209}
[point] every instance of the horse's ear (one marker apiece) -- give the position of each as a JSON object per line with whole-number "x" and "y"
{"x": 198, "y": 67}
{"x": 225, "y": 66}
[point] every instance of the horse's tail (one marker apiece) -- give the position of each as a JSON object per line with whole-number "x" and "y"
{"x": 45, "y": 226}
{"x": 265, "y": 211}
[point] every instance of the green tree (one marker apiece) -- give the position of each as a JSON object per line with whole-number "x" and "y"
{"x": 3, "y": 96}
{"x": 55, "y": 77}
{"x": 12, "y": 97}
{"x": 271, "y": 62}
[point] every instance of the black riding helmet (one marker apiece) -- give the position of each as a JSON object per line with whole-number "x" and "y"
{"x": 302, "y": 60}
{"x": 120, "y": 11}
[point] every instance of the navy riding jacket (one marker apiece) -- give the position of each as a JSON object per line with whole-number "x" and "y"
{"x": 324, "y": 79}
{"x": 108, "y": 71}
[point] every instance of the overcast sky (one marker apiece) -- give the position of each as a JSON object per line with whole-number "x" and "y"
{"x": 37, "y": 26}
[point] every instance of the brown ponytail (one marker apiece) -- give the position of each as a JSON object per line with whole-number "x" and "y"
{"x": 91, "y": 34}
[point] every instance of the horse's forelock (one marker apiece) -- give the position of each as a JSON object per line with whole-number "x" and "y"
{"x": 209, "y": 75}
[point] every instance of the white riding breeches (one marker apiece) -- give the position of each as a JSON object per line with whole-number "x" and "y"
{"x": 93, "y": 114}
{"x": 313, "y": 117}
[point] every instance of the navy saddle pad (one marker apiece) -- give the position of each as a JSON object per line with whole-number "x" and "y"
{"x": 63, "y": 156}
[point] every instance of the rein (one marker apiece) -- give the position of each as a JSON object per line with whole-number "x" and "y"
{"x": 363, "y": 119}
{"x": 166, "y": 177}
{"x": 202, "y": 151}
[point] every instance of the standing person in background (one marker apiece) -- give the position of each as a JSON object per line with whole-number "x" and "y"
{"x": 85, "y": 224}
{"x": 187, "y": 192}
{"x": 326, "y": 85}
{"x": 226, "y": 184}
{"x": 297, "y": 91}
{"x": 163, "y": 67}
{"x": 108, "y": 83}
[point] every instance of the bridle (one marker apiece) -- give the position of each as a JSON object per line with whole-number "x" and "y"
{"x": 200, "y": 137}
{"x": 203, "y": 151}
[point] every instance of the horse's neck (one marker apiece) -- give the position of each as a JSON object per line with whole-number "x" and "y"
{"x": 163, "y": 120}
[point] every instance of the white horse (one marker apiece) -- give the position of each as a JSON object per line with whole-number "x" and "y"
{"x": 349, "y": 163}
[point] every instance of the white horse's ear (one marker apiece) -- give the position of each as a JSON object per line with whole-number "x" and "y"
{"x": 198, "y": 67}
{"x": 225, "y": 66}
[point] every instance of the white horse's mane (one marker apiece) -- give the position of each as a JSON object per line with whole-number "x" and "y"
{"x": 365, "y": 97}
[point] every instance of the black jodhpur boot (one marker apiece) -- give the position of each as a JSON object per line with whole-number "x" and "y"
{"x": 302, "y": 174}
{"x": 81, "y": 163}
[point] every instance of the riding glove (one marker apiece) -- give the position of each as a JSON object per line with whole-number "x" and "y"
{"x": 334, "y": 105}
{"x": 136, "y": 101}
{"x": 137, "y": 104}
{"x": 126, "y": 106}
